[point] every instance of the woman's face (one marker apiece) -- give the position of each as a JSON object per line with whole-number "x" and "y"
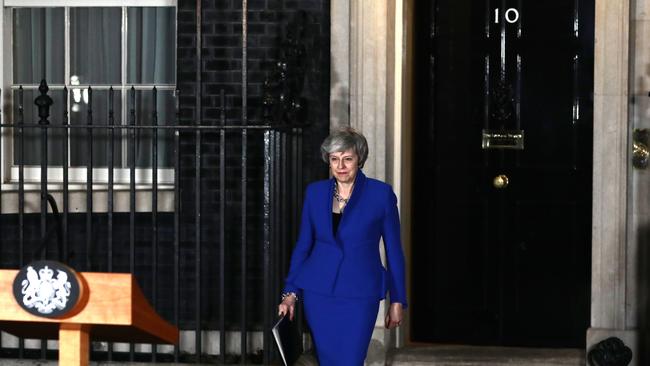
{"x": 344, "y": 166}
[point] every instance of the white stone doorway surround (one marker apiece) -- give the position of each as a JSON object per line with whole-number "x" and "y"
{"x": 369, "y": 82}
{"x": 371, "y": 88}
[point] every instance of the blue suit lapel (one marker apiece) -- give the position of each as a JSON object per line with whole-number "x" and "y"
{"x": 330, "y": 199}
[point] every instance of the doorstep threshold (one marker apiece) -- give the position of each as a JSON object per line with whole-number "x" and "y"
{"x": 462, "y": 355}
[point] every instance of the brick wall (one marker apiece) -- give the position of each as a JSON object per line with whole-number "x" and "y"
{"x": 269, "y": 22}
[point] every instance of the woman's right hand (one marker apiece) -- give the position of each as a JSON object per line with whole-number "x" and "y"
{"x": 287, "y": 306}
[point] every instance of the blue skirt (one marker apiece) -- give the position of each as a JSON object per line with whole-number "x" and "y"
{"x": 341, "y": 327}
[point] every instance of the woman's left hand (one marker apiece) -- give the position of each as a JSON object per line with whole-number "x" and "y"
{"x": 394, "y": 316}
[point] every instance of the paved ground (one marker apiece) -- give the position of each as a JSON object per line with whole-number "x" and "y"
{"x": 438, "y": 355}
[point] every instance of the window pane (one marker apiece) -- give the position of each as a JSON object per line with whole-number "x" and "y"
{"x": 32, "y": 135}
{"x": 38, "y": 45}
{"x": 166, "y": 108}
{"x": 151, "y": 45}
{"x": 95, "y": 45}
{"x": 79, "y": 102}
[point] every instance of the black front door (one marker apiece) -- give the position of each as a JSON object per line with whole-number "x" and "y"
{"x": 502, "y": 173}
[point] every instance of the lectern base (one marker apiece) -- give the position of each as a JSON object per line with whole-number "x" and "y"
{"x": 74, "y": 344}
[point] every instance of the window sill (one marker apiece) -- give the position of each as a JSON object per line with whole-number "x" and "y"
{"x": 77, "y": 196}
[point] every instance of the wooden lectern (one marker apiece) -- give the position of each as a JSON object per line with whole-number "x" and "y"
{"x": 111, "y": 307}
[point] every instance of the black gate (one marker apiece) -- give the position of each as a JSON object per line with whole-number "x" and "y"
{"x": 167, "y": 250}
{"x": 154, "y": 245}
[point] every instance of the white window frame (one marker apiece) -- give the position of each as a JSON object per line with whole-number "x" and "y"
{"x": 76, "y": 175}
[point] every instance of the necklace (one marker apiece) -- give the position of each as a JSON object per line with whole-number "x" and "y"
{"x": 342, "y": 201}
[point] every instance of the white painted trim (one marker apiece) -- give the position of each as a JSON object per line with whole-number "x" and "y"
{"x": 187, "y": 343}
{"x": 610, "y": 162}
{"x": 406, "y": 151}
{"x": 100, "y": 175}
{"x": 86, "y": 3}
{"x": 127, "y": 87}
{"x": 3, "y": 86}
{"x": 339, "y": 63}
{"x": 6, "y": 65}
{"x": 398, "y": 54}
{"x": 396, "y": 74}
{"x": 79, "y": 187}
{"x": 77, "y": 197}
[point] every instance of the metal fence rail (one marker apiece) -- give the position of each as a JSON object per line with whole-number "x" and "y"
{"x": 178, "y": 232}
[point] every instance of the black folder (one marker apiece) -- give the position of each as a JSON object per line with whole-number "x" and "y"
{"x": 287, "y": 339}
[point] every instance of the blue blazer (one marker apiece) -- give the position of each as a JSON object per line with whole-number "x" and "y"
{"x": 348, "y": 264}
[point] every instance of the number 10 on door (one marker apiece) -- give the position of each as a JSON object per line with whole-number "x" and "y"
{"x": 511, "y": 15}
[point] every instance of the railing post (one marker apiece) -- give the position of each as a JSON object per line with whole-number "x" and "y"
{"x": 244, "y": 177}
{"x": 154, "y": 209}
{"x": 89, "y": 184}
{"x": 268, "y": 273}
{"x": 21, "y": 193}
{"x": 110, "y": 199}
{"x": 132, "y": 206}
{"x": 43, "y": 102}
{"x": 177, "y": 220}
{"x": 66, "y": 147}
{"x": 222, "y": 228}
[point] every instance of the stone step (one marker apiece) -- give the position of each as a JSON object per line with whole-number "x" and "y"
{"x": 458, "y": 355}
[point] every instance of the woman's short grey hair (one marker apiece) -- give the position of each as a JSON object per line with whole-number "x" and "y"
{"x": 344, "y": 139}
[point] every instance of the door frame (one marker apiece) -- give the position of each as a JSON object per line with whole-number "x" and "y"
{"x": 614, "y": 300}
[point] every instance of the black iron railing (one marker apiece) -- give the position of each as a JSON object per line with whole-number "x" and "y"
{"x": 269, "y": 165}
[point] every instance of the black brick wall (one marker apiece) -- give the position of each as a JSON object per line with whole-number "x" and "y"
{"x": 269, "y": 23}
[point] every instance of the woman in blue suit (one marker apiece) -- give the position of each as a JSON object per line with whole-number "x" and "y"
{"x": 336, "y": 268}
